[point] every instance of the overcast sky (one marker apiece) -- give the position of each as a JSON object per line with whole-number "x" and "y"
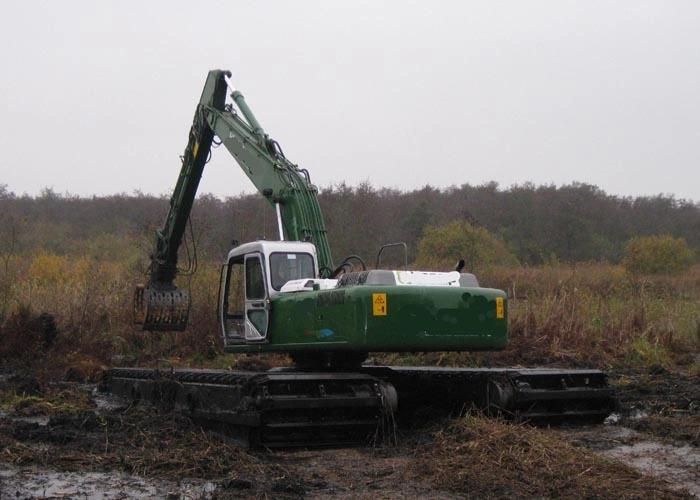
{"x": 98, "y": 97}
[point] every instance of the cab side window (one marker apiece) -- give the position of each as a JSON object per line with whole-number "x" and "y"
{"x": 234, "y": 297}
{"x": 255, "y": 285}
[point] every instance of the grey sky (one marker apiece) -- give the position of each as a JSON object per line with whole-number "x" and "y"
{"x": 98, "y": 97}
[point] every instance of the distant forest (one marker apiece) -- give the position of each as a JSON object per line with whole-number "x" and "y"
{"x": 571, "y": 223}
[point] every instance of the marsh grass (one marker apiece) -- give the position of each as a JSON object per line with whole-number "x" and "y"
{"x": 595, "y": 315}
{"x": 15, "y": 401}
{"x": 583, "y": 315}
{"x": 487, "y": 458}
{"x": 600, "y": 314}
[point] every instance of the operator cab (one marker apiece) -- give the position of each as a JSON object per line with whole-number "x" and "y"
{"x": 253, "y": 274}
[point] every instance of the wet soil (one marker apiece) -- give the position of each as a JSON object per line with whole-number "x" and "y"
{"x": 85, "y": 444}
{"x": 657, "y": 430}
{"x": 31, "y": 482}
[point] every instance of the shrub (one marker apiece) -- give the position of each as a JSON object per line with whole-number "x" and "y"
{"x": 48, "y": 269}
{"x": 442, "y": 246}
{"x": 645, "y": 353}
{"x": 657, "y": 255}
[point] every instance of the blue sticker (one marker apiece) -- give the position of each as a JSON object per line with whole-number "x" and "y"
{"x": 325, "y": 333}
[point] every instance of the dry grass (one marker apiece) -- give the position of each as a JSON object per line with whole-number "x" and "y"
{"x": 600, "y": 315}
{"x": 486, "y": 458}
{"x": 91, "y": 302}
{"x": 593, "y": 315}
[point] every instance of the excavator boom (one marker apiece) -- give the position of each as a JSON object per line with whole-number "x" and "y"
{"x": 160, "y": 304}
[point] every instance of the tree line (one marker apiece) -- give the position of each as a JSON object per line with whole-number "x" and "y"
{"x": 538, "y": 224}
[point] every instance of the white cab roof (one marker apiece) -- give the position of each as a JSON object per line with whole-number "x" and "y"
{"x": 268, "y": 247}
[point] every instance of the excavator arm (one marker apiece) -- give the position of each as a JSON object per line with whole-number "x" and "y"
{"x": 161, "y": 305}
{"x": 284, "y": 185}
{"x": 168, "y": 239}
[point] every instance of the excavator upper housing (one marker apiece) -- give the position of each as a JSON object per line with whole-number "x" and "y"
{"x": 272, "y": 300}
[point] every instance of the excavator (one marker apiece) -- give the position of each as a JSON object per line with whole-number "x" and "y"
{"x": 288, "y": 296}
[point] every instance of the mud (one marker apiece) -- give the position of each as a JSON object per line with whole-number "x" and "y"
{"x": 657, "y": 392}
{"x": 657, "y": 430}
{"x": 680, "y": 465}
{"x": 676, "y": 462}
{"x": 25, "y": 482}
{"x": 101, "y": 448}
{"x": 362, "y": 473}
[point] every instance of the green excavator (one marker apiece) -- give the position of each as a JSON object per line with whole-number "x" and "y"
{"x": 288, "y": 296}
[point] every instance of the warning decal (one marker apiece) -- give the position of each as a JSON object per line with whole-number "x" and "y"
{"x": 379, "y": 304}
{"x": 500, "y": 308}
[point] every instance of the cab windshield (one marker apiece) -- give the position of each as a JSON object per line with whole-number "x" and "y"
{"x": 290, "y": 266}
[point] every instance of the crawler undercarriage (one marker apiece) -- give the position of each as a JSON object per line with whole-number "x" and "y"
{"x": 289, "y": 408}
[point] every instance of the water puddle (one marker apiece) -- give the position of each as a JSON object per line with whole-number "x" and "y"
{"x": 680, "y": 465}
{"x": 39, "y": 419}
{"x": 37, "y": 483}
{"x": 106, "y": 402}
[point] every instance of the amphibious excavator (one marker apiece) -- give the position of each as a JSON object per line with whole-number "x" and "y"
{"x": 287, "y": 296}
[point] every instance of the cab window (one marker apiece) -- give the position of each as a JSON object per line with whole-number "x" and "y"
{"x": 286, "y": 266}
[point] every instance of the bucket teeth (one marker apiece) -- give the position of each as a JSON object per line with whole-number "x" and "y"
{"x": 161, "y": 310}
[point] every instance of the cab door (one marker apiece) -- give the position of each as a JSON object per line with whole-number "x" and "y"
{"x": 257, "y": 303}
{"x": 232, "y": 301}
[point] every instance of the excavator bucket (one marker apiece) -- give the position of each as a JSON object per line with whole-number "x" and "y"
{"x": 161, "y": 310}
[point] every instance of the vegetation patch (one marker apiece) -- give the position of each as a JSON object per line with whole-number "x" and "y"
{"x": 16, "y": 401}
{"x": 486, "y": 458}
{"x": 658, "y": 254}
{"x": 442, "y": 246}
{"x": 599, "y": 315}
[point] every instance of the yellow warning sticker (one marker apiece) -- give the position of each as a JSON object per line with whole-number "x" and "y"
{"x": 500, "y": 308}
{"x": 379, "y": 304}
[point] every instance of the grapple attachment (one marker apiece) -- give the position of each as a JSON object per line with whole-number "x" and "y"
{"x": 161, "y": 309}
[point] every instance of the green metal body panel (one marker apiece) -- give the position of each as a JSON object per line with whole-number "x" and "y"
{"x": 418, "y": 318}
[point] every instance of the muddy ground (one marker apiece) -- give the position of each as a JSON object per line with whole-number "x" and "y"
{"x": 69, "y": 441}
